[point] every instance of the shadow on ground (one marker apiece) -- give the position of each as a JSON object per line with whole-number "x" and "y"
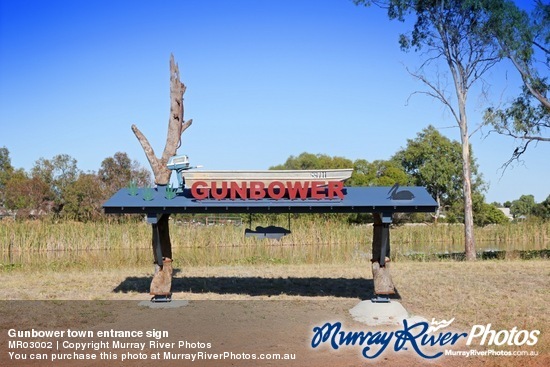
{"x": 257, "y": 286}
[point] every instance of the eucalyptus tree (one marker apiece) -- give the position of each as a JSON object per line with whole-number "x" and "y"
{"x": 452, "y": 33}
{"x": 524, "y": 40}
{"x": 434, "y": 161}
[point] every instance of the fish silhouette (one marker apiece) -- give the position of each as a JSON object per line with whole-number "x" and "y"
{"x": 399, "y": 195}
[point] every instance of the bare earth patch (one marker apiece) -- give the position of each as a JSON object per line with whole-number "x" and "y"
{"x": 274, "y": 308}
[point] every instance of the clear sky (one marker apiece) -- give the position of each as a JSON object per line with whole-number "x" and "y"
{"x": 265, "y": 79}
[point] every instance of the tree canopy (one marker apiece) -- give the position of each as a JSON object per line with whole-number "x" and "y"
{"x": 524, "y": 40}
{"x": 57, "y": 186}
{"x": 434, "y": 161}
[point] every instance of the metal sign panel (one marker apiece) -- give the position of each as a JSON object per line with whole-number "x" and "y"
{"x": 355, "y": 200}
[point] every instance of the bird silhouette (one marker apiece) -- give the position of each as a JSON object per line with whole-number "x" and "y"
{"x": 401, "y": 195}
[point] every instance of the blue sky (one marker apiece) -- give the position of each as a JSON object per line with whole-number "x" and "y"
{"x": 265, "y": 80}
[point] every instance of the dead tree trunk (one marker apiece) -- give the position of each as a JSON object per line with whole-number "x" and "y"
{"x": 176, "y": 126}
{"x": 162, "y": 280}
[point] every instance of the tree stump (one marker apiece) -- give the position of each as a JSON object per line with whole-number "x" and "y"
{"x": 161, "y": 284}
{"x": 383, "y": 283}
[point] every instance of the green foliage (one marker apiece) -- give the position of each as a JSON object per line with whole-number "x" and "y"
{"x": 542, "y": 210}
{"x": 377, "y": 173}
{"x": 489, "y": 214}
{"x": 83, "y": 199}
{"x": 463, "y": 22}
{"x": 314, "y": 161}
{"x": 435, "y": 162}
{"x": 57, "y": 186}
{"x": 525, "y": 40}
{"x": 525, "y": 119}
{"x": 118, "y": 170}
{"x": 6, "y": 169}
{"x": 24, "y": 192}
{"x": 524, "y": 206}
{"x": 58, "y": 173}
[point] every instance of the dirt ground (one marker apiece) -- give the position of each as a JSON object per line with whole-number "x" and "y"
{"x": 260, "y": 310}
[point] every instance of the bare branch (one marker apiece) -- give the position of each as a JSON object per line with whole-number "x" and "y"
{"x": 436, "y": 93}
{"x": 147, "y": 148}
{"x": 515, "y": 156}
{"x": 479, "y": 127}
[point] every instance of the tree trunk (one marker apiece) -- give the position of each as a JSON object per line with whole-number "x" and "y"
{"x": 438, "y": 210}
{"x": 469, "y": 241}
{"x": 461, "y": 86}
{"x": 176, "y": 126}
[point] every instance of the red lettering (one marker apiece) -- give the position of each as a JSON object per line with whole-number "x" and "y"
{"x": 257, "y": 190}
{"x": 271, "y": 190}
{"x": 295, "y": 188}
{"x": 214, "y": 190}
{"x": 236, "y": 189}
{"x": 275, "y": 190}
{"x": 199, "y": 190}
{"x": 317, "y": 190}
{"x": 335, "y": 188}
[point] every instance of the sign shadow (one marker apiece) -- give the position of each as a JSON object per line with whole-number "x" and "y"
{"x": 258, "y": 286}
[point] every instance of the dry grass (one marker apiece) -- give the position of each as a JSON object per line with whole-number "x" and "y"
{"x": 106, "y": 245}
{"x": 505, "y": 293}
{"x": 497, "y": 292}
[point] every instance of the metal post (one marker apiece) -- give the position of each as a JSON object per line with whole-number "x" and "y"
{"x": 156, "y": 240}
{"x": 381, "y": 238}
{"x": 384, "y": 244}
{"x": 157, "y": 250}
{"x": 164, "y": 235}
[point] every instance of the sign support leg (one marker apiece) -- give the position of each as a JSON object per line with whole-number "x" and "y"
{"x": 157, "y": 248}
{"x": 162, "y": 250}
{"x": 383, "y": 284}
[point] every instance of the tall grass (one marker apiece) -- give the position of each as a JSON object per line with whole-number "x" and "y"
{"x": 321, "y": 240}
